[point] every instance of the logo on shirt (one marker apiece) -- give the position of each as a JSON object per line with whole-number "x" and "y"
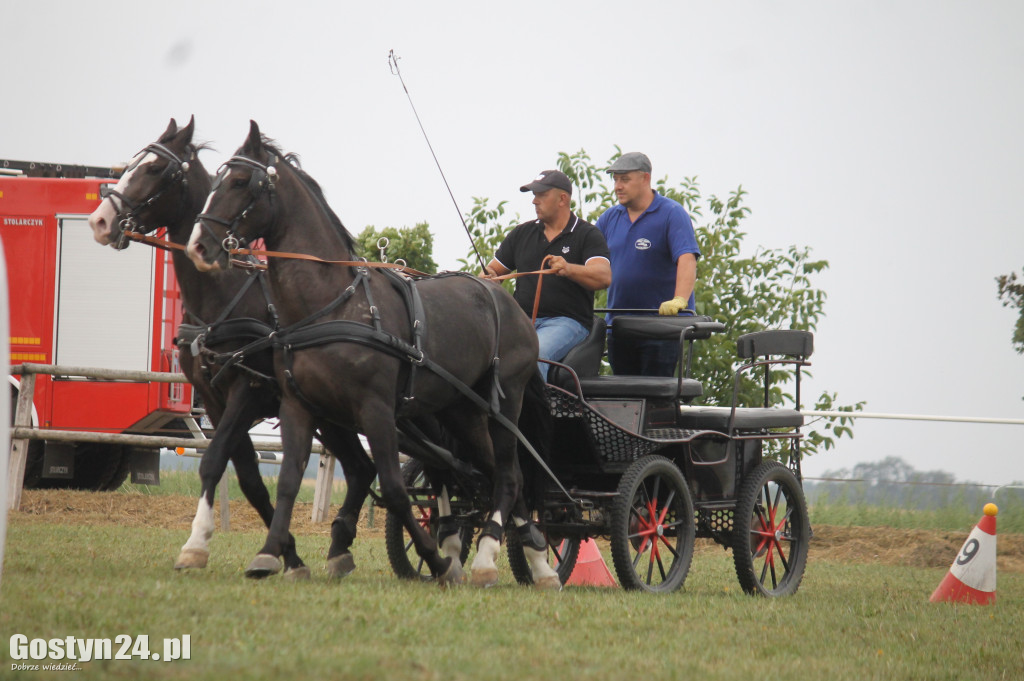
{"x": 642, "y": 244}
{"x": 565, "y": 249}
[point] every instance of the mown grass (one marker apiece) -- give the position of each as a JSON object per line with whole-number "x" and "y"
{"x": 847, "y": 621}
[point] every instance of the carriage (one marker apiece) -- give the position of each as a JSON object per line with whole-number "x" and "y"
{"x": 633, "y": 461}
{"x": 444, "y": 368}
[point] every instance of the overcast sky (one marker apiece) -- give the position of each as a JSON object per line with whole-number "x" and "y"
{"x": 886, "y": 136}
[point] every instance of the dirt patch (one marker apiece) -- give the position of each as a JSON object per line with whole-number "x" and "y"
{"x": 68, "y": 507}
{"x": 883, "y": 545}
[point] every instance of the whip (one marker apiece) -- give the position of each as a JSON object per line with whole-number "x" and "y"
{"x": 393, "y": 63}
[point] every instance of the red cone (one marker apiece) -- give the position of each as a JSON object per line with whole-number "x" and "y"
{"x": 972, "y": 578}
{"x": 590, "y": 569}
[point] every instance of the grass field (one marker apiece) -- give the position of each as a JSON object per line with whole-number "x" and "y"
{"x": 851, "y": 619}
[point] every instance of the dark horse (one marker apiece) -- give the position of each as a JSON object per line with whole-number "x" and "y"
{"x": 166, "y": 185}
{"x": 368, "y": 350}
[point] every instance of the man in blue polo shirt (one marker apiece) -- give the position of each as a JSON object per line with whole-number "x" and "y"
{"x": 575, "y": 252}
{"x": 654, "y": 263}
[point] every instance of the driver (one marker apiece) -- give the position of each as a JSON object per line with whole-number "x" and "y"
{"x": 573, "y": 249}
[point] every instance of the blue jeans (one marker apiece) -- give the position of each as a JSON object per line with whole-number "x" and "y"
{"x": 557, "y": 336}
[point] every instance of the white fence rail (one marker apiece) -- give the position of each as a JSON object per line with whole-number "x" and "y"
{"x": 912, "y": 417}
{"x": 23, "y": 432}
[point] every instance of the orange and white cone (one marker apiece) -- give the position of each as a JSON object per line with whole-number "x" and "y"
{"x": 590, "y": 569}
{"x": 972, "y": 578}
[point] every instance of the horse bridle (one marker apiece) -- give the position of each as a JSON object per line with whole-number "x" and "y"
{"x": 177, "y": 169}
{"x": 262, "y": 181}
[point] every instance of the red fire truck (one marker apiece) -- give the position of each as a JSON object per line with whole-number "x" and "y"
{"x": 76, "y": 304}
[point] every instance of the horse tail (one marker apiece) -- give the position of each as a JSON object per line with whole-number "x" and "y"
{"x": 537, "y": 425}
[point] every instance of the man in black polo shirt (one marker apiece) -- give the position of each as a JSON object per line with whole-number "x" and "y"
{"x": 576, "y": 253}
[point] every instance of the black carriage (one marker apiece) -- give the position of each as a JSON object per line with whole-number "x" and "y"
{"x": 633, "y": 460}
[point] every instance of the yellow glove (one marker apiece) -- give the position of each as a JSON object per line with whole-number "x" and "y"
{"x": 673, "y": 307}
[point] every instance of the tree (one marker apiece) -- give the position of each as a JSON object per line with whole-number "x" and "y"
{"x": 770, "y": 288}
{"x": 1011, "y": 292}
{"x": 414, "y": 245}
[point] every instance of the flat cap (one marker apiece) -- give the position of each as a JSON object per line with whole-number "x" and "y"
{"x": 631, "y": 161}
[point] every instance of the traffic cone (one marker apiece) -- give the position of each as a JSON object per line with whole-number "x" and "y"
{"x": 590, "y": 569}
{"x": 972, "y": 578}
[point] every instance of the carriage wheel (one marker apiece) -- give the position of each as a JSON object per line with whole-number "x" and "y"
{"x": 562, "y": 555}
{"x": 652, "y": 528}
{"x": 402, "y": 555}
{"x": 771, "y": 532}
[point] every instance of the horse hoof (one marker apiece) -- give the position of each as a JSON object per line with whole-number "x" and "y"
{"x": 551, "y": 583}
{"x": 263, "y": 565}
{"x": 340, "y": 566}
{"x": 485, "y": 577}
{"x": 191, "y": 558}
{"x": 299, "y": 574}
{"x": 453, "y": 576}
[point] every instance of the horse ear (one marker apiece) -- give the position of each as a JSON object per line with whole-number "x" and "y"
{"x": 255, "y": 140}
{"x": 171, "y": 131}
{"x": 188, "y": 129}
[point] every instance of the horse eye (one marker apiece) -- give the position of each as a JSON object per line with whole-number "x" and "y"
{"x": 153, "y": 169}
{"x": 239, "y": 182}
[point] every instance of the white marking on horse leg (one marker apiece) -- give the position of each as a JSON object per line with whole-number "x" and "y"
{"x": 196, "y": 552}
{"x": 202, "y": 527}
{"x": 487, "y": 550}
{"x": 444, "y": 504}
{"x": 540, "y": 569}
{"x": 452, "y": 544}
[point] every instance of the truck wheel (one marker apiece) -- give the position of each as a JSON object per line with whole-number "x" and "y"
{"x": 98, "y": 466}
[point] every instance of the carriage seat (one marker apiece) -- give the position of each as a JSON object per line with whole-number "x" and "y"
{"x": 584, "y": 358}
{"x": 786, "y": 346}
{"x": 747, "y": 418}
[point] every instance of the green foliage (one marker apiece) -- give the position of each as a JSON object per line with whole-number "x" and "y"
{"x": 1011, "y": 292}
{"x": 414, "y": 245}
{"x": 487, "y": 228}
{"x": 772, "y": 288}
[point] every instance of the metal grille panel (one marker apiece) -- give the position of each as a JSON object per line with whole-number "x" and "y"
{"x": 615, "y": 445}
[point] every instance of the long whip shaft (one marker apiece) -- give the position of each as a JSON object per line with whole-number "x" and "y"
{"x": 393, "y": 62}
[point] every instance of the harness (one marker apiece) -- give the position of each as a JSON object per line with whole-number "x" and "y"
{"x": 310, "y": 332}
{"x": 177, "y": 169}
{"x": 199, "y": 335}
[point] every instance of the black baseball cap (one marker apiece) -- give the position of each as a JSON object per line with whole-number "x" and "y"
{"x": 549, "y": 179}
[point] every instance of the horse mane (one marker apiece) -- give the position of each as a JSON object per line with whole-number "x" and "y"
{"x": 314, "y": 187}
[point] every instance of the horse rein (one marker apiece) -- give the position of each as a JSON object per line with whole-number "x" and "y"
{"x": 176, "y": 170}
{"x": 263, "y": 181}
